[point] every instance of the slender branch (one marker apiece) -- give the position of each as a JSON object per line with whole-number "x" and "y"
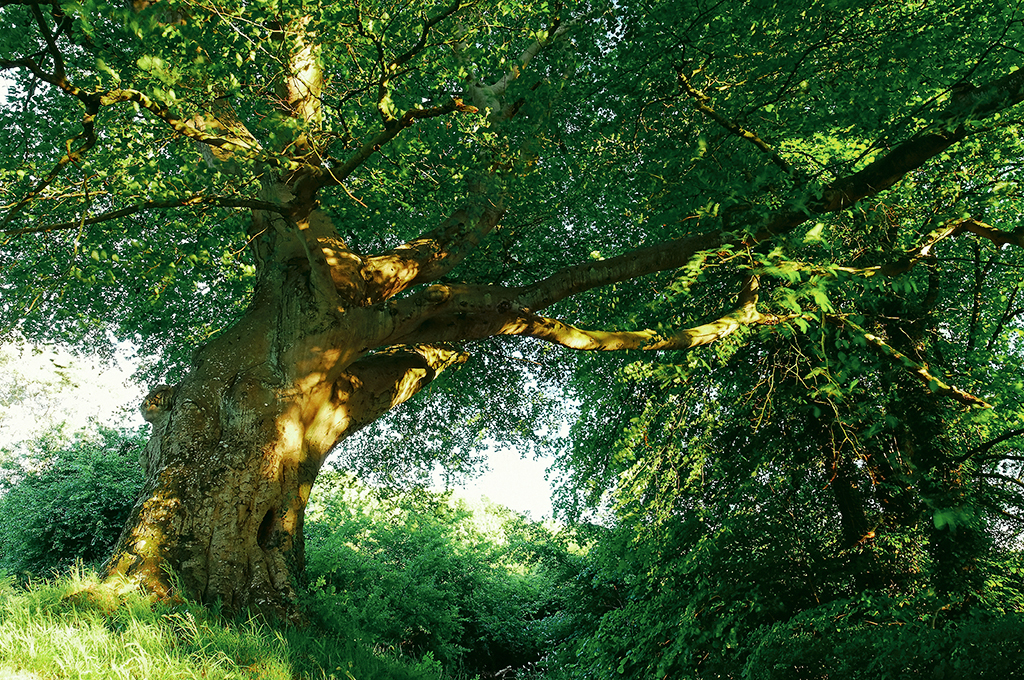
{"x": 75, "y": 156}
{"x": 919, "y": 371}
{"x": 337, "y": 174}
{"x": 988, "y": 446}
{"x": 1008, "y": 315}
{"x": 425, "y": 31}
{"x": 51, "y": 45}
{"x": 1005, "y": 478}
{"x": 219, "y": 201}
{"x": 704, "y": 106}
{"x": 923, "y": 251}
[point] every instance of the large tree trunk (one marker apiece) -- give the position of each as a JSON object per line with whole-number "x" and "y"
{"x": 237, "y": 445}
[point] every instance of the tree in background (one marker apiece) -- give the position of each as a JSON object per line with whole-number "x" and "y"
{"x": 313, "y": 210}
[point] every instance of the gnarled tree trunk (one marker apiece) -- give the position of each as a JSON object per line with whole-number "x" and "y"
{"x": 237, "y": 445}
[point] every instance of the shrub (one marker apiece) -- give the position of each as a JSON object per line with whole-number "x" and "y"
{"x": 67, "y": 500}
{"x": 879, "y": 638}
{"x": 422, "y": 574}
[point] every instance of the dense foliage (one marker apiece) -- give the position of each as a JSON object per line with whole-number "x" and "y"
{"x": 479, "y": 589}
{"x": 66, "y": 498}
{"x": 727, "y": 575}
{"x": 821, "y": 202}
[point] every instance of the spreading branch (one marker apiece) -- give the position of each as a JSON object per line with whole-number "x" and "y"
{"x": 560, "y": 333}
{"x": 882, "y": 173}
{"x": 192, "y": 201}
{"x": 464, "y": 312}
{"x": 338, "y": 173}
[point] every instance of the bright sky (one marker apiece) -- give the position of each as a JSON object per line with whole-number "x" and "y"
{"x": 62, "y": 388}
{"x": 514, "y": 482}
{"x": 76, "y": 391}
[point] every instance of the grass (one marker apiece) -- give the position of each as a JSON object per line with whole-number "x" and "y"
{"x": 74, "y": 626}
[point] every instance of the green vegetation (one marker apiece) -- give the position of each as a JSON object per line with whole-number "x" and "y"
{"x": 78, "y": 627}
{"x": 419, "y": 585}
{"x": 65, "y": 499}
{"x": 762, "y": 262}
{"x": 479, "y": 590}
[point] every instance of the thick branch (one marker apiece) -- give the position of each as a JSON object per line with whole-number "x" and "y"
{"x": 886, "y": 171}
{"x": 448, "y": 313}
{"x": 560, "y": 333}
{"x": 579, "y": 278}
{"x": 432, "y": 255}
{"x": 376, "y": 384}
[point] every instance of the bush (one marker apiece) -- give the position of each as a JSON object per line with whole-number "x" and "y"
{"x": 67, "y": 501}
{"x": 879, "y": 638}
{"x": 421, "y": 574}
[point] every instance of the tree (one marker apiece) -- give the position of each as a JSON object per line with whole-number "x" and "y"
{"x": 328, "y": 205}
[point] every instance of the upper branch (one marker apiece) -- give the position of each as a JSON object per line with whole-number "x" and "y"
{"x": 338, "y": 173}
{"x": 433, "y": 254}
{"x": 436, "y": 252}
{"x": 988, "y": 446}
{"x": 220, "y": 201}
{"x": 491, "y": 97}
{"x": 951, "y": 127}
{"x": 704, "y": 106}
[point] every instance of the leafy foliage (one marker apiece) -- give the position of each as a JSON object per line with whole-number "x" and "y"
{"x": 68, "y": 499}
{"x": 479, "y": 590}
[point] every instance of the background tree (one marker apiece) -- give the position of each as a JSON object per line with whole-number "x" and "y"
{"x": 319, "y": 208}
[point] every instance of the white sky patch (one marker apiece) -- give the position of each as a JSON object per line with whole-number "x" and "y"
{"x": 5, "y": 88}
{"x": 56, "y": 387}
{"x": 513, "y": 481}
